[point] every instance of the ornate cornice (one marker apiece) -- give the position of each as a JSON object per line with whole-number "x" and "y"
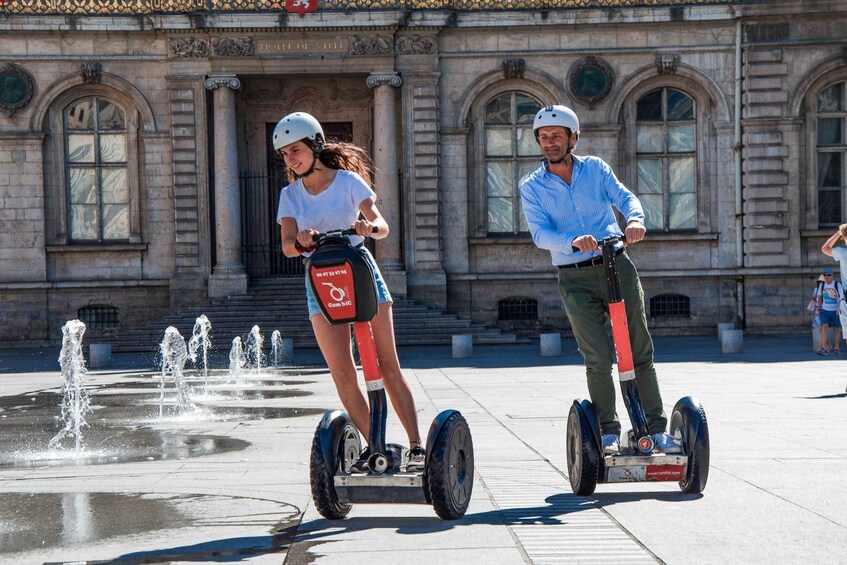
{"x": 391, "y": 80}
{"x": 220, "y": 81}
{"x": 146, "y": 7}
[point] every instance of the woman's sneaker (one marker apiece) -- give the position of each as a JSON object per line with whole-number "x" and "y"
{"x": 417, "y": 460}
{"x": 361, "y": 465}
{"x": 666, "y": 443}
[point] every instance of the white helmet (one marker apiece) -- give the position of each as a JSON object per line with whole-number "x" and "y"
{"x": 295, "y": 127}
{"x": 555, "y": 116}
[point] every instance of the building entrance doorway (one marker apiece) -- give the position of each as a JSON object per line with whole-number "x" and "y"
{"x": 262, "y": 250}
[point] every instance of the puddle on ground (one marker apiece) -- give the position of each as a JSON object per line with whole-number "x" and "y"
{"x": 119, "y": 429}
{"x": 103, "y": 445}
{"x": 197, "y": 384}
{"x": 99, "y": 527}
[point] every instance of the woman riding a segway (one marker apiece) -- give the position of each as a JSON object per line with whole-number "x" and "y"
{"x": 330, "y": 187}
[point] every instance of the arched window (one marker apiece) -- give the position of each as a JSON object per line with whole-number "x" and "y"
{"x": 95, "y": 156}
{"x": 832, "y": 154}
{"x": 666, "y": 159}
{"x": 510, "y": 153}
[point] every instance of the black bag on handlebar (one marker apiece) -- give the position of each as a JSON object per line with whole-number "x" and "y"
{"x": 342, "y": 282}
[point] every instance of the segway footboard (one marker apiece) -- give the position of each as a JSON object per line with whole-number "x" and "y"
{"x": 388, "y": 488}
{"x": 644, "y": 468}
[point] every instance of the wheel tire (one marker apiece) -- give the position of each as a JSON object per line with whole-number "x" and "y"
{"x": 689, "y": 421}
{"x": 449, "y": 470}
{"x": 582, "y": 454}
{"x": 322, "y": 473}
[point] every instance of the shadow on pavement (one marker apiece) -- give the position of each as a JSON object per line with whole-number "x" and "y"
{"x": 217, "y": 551}
{"x": 555, "y": 512}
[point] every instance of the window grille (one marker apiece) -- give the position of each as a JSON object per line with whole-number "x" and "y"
{"x": 98, "y": 317}
{"x": 670, "y": 306}
{"x": 517, "y": 309}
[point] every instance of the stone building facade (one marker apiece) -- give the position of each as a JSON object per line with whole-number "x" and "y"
{"x": 136, "y": 176}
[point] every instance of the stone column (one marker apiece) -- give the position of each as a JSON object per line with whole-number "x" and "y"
{"x": 386, "y": 183}
{"x": 228, "y": 276}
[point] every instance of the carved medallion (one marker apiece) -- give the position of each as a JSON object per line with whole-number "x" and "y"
{"x": 16, "y": 88}
{"x": 590, "y": 80}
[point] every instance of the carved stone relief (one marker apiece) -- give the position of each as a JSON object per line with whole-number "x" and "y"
{"x": 416, "y": 45}
{"x": 371, "y": 45}
{"x": 233, "y": 46}
{"x": 185, "y": 47}
{"x": 91, "y": 72}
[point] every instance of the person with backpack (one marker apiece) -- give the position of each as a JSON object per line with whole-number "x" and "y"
{"x": 829, "y": 295}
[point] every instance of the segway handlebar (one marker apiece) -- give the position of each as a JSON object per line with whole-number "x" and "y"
{"x": 611, "y": 240}
{"x": 338, "y": 233}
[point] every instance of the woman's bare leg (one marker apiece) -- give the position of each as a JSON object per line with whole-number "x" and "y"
{"x": 334, "y": 342}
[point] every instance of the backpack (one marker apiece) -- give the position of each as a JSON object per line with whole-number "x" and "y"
{"x": 819, "y": 294}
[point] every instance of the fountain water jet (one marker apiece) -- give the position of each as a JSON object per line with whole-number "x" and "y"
{"x": 75, "y": 401}
{"x": 237, "y": 362}
{"x": 276, "y": 346}
{"x": 200, "y": 339}
{"x": 174, "y": 355}
{"x": 254, "y": 347}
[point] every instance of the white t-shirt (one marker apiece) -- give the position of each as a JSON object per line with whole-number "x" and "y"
{"x": 832, "y": 295}
{"x": 335, "y": 208}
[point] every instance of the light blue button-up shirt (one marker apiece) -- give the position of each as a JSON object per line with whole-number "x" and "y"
{"x": 558, "y": 212}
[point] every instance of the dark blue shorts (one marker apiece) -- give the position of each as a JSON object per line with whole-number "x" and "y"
{"x": 830, "y": 318}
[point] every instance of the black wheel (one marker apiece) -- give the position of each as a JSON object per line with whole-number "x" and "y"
{"x": 449, "y": 469}
{"x": 344, "y": 451}
{"x": 582, "y": 453}
{"x": 688, "y": 421}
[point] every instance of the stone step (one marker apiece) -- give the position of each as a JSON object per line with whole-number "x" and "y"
{"x": 280, "y": 304}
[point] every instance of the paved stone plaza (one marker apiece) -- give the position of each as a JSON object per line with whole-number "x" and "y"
{"x": 776, "y": 491}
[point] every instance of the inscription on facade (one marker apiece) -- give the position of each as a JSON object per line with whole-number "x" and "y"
{"x": 276, "y": 46}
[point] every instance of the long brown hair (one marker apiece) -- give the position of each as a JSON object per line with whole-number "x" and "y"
{"x": 342, "y": 155}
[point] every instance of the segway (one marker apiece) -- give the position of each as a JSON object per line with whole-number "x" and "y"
{"x": 343, "y": 285}
{"x": 588, "y": 465}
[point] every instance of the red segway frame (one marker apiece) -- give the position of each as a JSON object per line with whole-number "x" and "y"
{"x": 343, "y": 285}
{"x": 623, "y": 347}
{"x": 342, "y": 282}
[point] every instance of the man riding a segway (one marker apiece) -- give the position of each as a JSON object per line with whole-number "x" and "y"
{"x": 570, "y": 204}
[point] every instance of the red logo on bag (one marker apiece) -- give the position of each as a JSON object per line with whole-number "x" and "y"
{"x": 301, "y": 6}
{"x": 335, "y": 291}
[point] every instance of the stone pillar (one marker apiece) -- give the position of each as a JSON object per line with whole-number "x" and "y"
{"x": 386, "y": 183}
{"x": 228, "y": 276}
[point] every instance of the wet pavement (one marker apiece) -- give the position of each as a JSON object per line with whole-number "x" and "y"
{"x": 229, "y": 482}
